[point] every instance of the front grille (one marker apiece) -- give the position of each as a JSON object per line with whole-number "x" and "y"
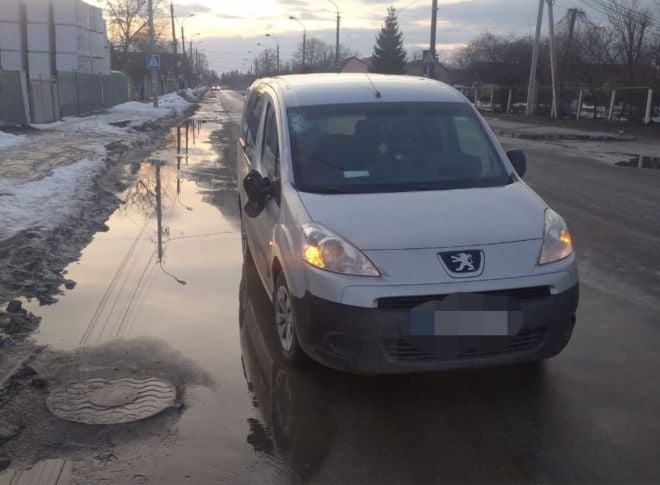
{"x": 408, "y": 302}
{"x": 405, "y": 350}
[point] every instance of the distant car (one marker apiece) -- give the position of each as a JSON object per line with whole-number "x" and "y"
{"x": 393, "y": 233}
{"x": 216, "y": 87}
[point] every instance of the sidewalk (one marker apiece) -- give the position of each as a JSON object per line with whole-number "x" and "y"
{"x": 603, "y": 144}
{"x": 536, "y": 131}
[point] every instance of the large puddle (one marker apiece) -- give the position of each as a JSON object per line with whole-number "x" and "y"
{"x": 168, "y": 270}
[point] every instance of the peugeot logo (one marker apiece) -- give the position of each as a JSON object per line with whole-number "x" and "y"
{"x": 463, "y": 263}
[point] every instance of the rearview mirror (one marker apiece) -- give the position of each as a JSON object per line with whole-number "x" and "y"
{"x": 258, "y": 189}
{"x": 519, "y": 161}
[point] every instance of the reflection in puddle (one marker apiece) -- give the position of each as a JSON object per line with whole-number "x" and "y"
{"x": 641, "y": 161}
{"x": 167, "y": 229}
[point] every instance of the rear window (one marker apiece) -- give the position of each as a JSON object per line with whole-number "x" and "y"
{"x": 380, "y": 147}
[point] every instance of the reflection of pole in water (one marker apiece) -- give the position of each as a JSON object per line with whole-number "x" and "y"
{"x": 187, "y": 129}
{"x": 178, "y": 139}
{"x": 159, "y": 218}
{"x": 159, "y": 212}
{"x": 194, "y": 130}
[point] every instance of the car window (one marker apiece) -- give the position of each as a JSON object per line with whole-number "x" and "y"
{"x": 469, "y": 141}
{"x": 253, "y": 113}
{"x": 391, "y": 147}
{"x": 271, "y": 146}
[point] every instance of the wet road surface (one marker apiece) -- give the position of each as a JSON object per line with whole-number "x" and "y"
{"x": 189, "y": 310}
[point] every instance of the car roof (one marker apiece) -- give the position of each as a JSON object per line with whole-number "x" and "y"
{"x": 332, "y": 88}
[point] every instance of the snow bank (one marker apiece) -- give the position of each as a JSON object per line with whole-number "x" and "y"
{"x": 7, "y": 140}
{"x": 121, "y": 118}
{"x": 169, "y": 105}
{"x": 46, "y": 202}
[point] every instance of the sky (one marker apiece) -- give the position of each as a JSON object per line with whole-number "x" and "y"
{"x": 226, "y": 30}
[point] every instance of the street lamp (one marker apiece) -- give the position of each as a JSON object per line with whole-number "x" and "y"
{"x": 337, "y": 66}
{"x": 278, "y": 50}
{"x": 256, "y": 64}
{"x": 267, "y": 64}
{"x": 191, "y": 59}
{"x": 183, "y": 42}
{"x": 304, "y": 37}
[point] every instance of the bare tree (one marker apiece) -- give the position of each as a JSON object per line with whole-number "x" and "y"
{"x": 128, "y": 21}
{"x": 631, "y": 32}
{"x": 319, "y": 55}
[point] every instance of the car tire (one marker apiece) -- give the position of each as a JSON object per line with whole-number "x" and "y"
{"x": 285, "y": 324}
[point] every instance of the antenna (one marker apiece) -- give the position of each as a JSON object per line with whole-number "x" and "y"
{"x": 378, "y": 95}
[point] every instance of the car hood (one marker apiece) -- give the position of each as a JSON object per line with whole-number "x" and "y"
{"x": 431, "y": 219}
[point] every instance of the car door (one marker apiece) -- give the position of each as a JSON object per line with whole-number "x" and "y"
{"x": 268, "y": 166}
{"x": 249, "y": 159}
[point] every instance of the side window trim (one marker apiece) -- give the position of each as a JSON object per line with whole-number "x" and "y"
{"x": 270, "y": 119}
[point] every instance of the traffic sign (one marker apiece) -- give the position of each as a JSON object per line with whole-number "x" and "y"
{"x": 428, "y": 57}
{"x": 153, "y": 61}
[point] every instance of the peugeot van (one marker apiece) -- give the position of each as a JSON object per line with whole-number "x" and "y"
{"x": 392, "y": 231}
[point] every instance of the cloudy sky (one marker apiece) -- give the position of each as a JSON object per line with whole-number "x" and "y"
{"x": 229, "y": 29}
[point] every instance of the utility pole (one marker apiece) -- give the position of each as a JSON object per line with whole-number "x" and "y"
{"x": 434, "y": 24}
{"x": 184, "y": 61}
{"x": 531, "y": 90}
{"x": 572, "y": 18}
{"x": 553, "y": 61}
{"x": 337, "y": 64}
{"x": 154, "y": 72}
{"x": 174, "y": 43}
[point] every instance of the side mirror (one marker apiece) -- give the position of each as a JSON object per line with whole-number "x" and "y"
{"x": 258, "y": 189}
{"x": 519, "y": 161}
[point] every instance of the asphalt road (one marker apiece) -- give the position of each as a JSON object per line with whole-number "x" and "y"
{"x": 200, "y": 317}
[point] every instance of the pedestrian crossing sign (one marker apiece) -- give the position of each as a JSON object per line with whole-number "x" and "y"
{"x": 153, "y": 61}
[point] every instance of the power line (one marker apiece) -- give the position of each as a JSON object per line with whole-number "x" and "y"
{"x": 610, "y": 8}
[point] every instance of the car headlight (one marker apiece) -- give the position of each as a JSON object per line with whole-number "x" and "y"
{"x": 557, "y": 242}
{"x": 327, "y": 250}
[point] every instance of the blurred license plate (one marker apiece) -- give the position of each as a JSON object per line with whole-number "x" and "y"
{"x": 468, "y": 315}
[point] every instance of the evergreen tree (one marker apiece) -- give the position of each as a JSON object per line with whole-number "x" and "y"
{"x": 389, "y": 56}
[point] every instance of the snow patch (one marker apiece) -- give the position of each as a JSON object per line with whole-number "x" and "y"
{"x": 169, "y": 105}
{"x": 46, "y": 202}
{"x": 7, "y": 140}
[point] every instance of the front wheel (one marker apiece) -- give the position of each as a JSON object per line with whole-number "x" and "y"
{"x": 285, "y": 324}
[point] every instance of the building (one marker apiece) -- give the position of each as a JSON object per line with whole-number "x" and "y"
{"x": 417, "y": 68}
{"x": 57, "y": 50}
{"x": 355, "y": 65}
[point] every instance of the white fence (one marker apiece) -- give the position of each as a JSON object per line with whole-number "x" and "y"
{"x": 614, "y": 103}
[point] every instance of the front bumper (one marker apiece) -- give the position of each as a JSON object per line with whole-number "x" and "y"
{"x": 375, "y": 340}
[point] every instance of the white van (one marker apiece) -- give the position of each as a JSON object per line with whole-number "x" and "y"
{"x": 392, "y": 231}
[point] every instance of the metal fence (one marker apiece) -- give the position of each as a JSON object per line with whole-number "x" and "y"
{"x": 14, "y": 108}
{"x": 619, "y": 103}
{"x": 81, "y": 94}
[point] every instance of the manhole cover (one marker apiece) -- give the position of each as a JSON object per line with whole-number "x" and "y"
{"x": 118, "y": 401}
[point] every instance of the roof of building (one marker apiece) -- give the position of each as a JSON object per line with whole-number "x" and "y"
{"x": 332, "y": 88}
{"x": 353, "y": 58}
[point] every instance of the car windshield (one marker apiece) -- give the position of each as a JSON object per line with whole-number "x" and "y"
{"x": 391, "y": 147}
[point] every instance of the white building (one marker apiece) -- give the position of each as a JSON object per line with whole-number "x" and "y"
{"x": 43, "y": 37}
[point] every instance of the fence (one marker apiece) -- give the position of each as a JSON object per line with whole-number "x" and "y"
{"x": 620, "y": 103}
{"x": 14, "y": 107}
{"x": 45, "y": 100}
{"x": 81, "y": 94}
